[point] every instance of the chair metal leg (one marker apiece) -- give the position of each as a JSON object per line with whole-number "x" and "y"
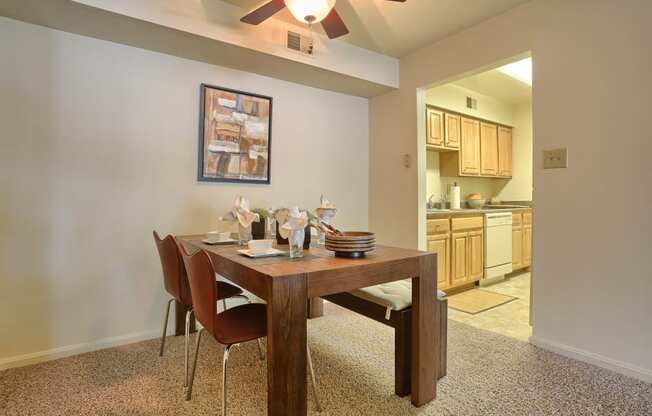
{"x": 165, "y": 327}
{"x": 314, "y": 380}
{"x": 225, "y": 361}
{"x": 186, "y": 346}
{"x": 194, "y": 365}
{"x": 261, "y": 352}
{"x": 260, "y": 349}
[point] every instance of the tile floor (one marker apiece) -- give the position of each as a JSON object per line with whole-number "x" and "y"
{"x": 510, "y": 319}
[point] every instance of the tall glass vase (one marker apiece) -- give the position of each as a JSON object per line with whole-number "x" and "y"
{"x": 244, "y": 234}
{"x": 296, "y": 242}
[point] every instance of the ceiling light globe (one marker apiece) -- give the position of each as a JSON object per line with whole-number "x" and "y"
{"x": 310, "y": 11}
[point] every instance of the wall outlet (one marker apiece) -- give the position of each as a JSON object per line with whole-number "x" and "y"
{"x": 555, "y": 159}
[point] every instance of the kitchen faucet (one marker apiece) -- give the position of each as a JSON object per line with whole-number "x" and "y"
{"x": 430, "y": 204}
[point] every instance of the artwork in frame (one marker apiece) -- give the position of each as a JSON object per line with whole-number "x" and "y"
{"x": 235, "y": 136}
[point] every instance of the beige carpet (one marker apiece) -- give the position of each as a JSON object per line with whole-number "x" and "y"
{"x": 477, "y": 300}
{"x": 488, "y": 374}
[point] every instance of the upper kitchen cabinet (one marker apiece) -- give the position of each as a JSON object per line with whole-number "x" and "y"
{"x": 465, "y": 162}
{"x": 504, "y": 152}
{"x": 434, "y": 127}
{"x": 452, "y": 134}
{"x": 470, "y": 146}
{"x": 442, "y": 130}
{"x": 488, "y": 149}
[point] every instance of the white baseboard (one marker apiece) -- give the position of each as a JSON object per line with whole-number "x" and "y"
{"x": 69, "y": 350}
{"x": 621, "y": 367}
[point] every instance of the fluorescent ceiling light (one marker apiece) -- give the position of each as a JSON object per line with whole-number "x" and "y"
{"x": 521, "y": 70}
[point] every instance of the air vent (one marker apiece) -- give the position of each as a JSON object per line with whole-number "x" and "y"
{"x": 299, "y": 43}
{"x": 471, "y": 103}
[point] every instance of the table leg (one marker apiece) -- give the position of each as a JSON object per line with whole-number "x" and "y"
{"x": 180, "y": 319}
{"x": 315, "y": 308}
{"x": 287, "y": 307}
{"x": 425, "y": 332}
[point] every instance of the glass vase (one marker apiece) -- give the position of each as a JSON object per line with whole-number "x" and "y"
{"x": 296, "y": 243}
{"x": 244, "y": 234}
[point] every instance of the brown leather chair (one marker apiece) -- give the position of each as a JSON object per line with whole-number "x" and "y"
{"x": 176, "y": 284}
{"x": 233, "y": 326}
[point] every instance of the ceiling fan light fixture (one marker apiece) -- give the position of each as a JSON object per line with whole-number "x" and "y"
{"x": 310, "y": 11}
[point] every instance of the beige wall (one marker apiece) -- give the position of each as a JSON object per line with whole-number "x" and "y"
{"x": 519, "y": 188}
{"x": 98, "y": 147}
{"x": 518, "y": 115}
{"x": 591, "y": 60}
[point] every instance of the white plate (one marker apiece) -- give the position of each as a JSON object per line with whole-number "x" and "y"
{"x": 270, "y": 253}
{"x": 212, "y": 242}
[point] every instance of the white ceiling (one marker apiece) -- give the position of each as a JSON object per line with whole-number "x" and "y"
{"x": 396, "y": 29}
{"x": 498, "y": 85}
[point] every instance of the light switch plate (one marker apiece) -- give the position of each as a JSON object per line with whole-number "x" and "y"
{"x": 555, "y": 159}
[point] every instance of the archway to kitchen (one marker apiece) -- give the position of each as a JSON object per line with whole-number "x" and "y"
{"x": 475, "y": 165}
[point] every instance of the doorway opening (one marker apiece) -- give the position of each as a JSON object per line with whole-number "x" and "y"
{"x": 479, "y": 207}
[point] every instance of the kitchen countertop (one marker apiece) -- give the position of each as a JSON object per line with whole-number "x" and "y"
{"x": 439, "y": 213}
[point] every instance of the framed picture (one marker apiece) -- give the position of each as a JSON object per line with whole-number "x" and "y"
{"x": 235, "y": 136}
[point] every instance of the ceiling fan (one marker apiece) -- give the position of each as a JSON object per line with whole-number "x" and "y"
{"x": 305, "y": 11}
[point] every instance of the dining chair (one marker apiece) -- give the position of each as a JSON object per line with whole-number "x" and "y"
{"x": 231, "y": 327}
{"x": 175, "y": 280}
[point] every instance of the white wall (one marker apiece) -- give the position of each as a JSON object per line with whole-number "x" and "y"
{"x": 98, "y": 147}
{"x": 519, "y": 188}
{"x": 517, "y": 115}
{"x": 592, "y": 60}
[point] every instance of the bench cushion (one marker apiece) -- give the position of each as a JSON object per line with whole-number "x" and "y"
{"x": 393, "y": 295}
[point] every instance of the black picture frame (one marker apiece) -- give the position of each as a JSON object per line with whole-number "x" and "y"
{"x": 201, "y": 177}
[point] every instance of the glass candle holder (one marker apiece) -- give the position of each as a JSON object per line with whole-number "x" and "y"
{"x": 296, "y": 243}
{"x": 244, "y": 234}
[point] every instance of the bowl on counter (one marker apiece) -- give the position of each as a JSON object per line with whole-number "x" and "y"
{"x": 476, "y": 203}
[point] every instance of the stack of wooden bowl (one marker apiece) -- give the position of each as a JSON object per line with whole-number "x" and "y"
{"x": 352, "y": 244}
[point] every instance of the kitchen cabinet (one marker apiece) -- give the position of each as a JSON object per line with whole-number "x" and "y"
{"x": 459, "y": 258}
{"x": 467, "y": 250}
{"x": 476, "y": 255}
{"x": 517, "y": 241}
{"x": 488, "y": 149}
{"x": 459, "y": 244}
{"x": 434, "y": 127}
{"x": 452, "y": 131}
{"x": 440, "y": 244}
{"x": 521, "y": 240}
{"x": 527, "y": 239}
{"x": 469, "y": 146}
{"x": 442, "y": 130}
{"x": 504, "y": 152}
{"x": 469, "y": 155}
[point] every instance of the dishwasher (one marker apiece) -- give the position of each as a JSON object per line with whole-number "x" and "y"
{"x": 497, "y": 246}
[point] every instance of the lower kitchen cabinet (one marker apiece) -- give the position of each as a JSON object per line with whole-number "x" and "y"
{"x": 466, "y": 251}
{"x": 459, "y": 244}
{"x": 459, "y": 258}
{"x": 440, "y": 244}
{"x": 521, "y": 240}
{"x": 527, "y": 245}
{"x": 476, "y": 255}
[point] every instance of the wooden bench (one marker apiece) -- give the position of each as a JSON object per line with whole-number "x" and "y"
{"x": 391, "y": 304}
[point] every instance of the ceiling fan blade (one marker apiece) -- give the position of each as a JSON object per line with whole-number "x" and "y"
{"x": 264, "y": 12}
{"x": 333, "y": 25}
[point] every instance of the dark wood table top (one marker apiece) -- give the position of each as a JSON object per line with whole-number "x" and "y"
{"x": 326, "y": 273}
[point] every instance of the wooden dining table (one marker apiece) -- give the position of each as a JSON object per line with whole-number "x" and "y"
{"x": 286, "y": 285}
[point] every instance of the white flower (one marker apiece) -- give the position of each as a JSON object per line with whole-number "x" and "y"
{"x": 241, "y": 213}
